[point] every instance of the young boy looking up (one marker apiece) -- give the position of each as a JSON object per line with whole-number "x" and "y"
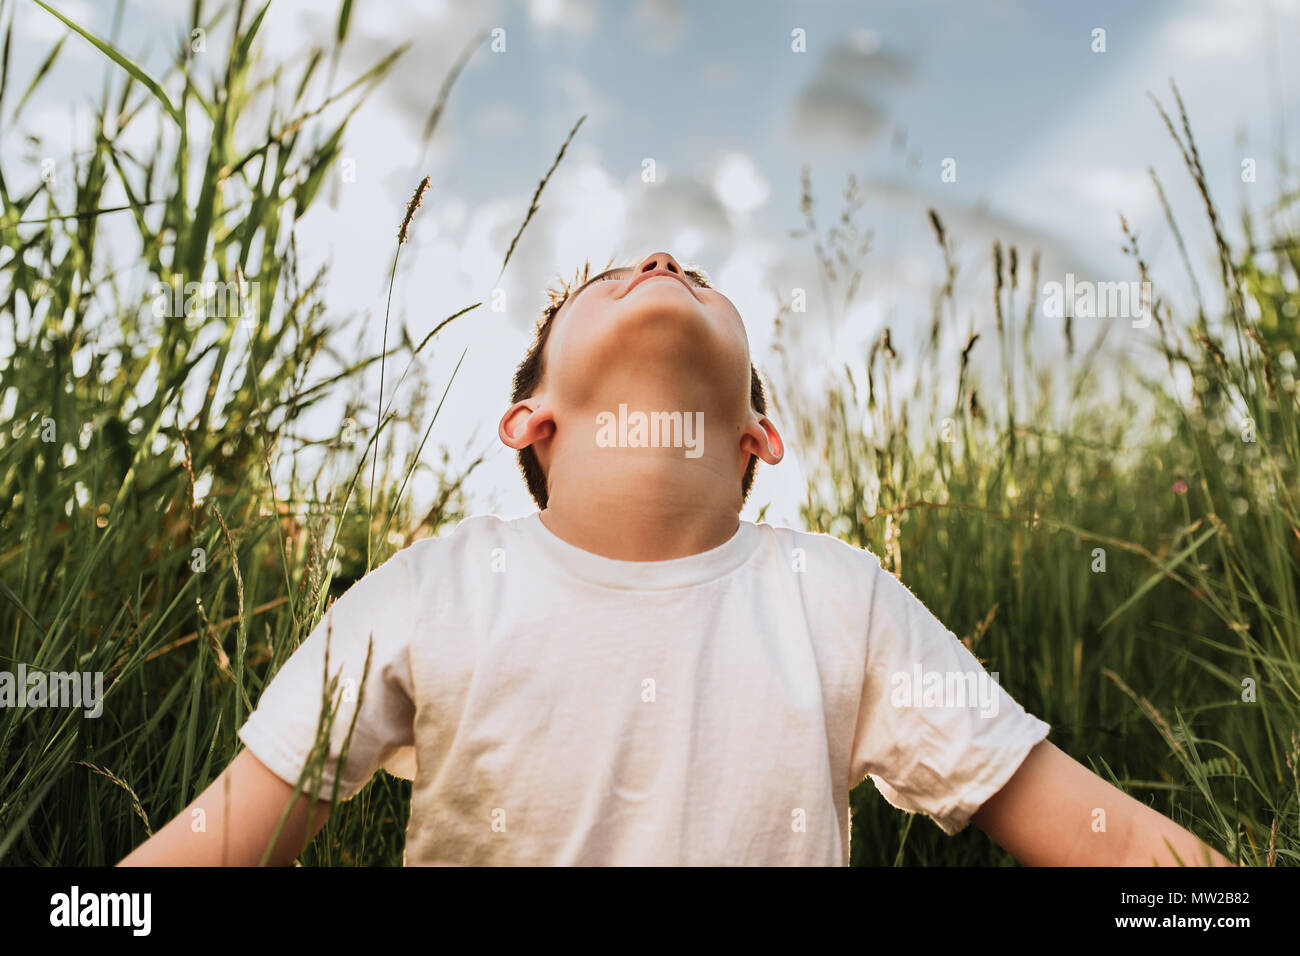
{"x": 633, "y": 675}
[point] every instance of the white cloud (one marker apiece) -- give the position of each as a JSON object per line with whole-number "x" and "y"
{"x": 575, "y": 16}
{"x": 590, "y": 213}
{"x": 745, "y": 278}
{"x": 843, "y": 103}
{"x": 675, "y": 215}
{"x": 33, "y": 24}
{"x": 837, "y": 116}
{"x": 864, "y": 41}
{"x": 583, "y": 97}
{"x": 738, "y": 183}
{"x": 1124, "y": 189}
{"x": 1216, "y": 35}
{"x": 500, "y": 120}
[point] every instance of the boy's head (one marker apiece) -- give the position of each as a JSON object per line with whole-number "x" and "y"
{"x": 652, "y": 338}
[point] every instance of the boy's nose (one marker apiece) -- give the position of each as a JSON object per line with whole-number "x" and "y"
{"x": 658, "y": 260}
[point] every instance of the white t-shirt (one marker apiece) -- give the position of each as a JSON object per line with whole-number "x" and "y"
{"x": 554, "y": 706}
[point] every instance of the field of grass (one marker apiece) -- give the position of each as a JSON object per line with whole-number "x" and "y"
{"x": 1119, "y": 543}
{"x": 1125, "y": 558}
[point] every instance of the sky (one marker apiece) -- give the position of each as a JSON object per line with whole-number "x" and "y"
{"x": 1050, "y": 138}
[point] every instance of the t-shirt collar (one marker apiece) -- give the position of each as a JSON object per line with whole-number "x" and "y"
{"x": 642, "y": 575}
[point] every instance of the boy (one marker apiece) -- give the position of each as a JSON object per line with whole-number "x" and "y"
{"x": 635, "y": 676}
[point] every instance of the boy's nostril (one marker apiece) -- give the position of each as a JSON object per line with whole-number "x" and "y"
{"x": 668, "y": 264}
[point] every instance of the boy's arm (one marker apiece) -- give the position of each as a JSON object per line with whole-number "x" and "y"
{"x": 255, "y": 799}
{"x": 1044, "y": 816}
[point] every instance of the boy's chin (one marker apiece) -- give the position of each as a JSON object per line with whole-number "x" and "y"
{"x": 672, "y": 326}
{"x": 681, "y": 374}
{"x": 679, "y": 346}
{"x": 663, "y": 353}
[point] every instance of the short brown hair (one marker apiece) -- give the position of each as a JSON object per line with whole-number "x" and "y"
{"x": 528, "y": 377}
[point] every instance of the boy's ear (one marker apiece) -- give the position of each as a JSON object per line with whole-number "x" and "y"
{"x": 526, "y": 422}
{"x": 761, "y": 438}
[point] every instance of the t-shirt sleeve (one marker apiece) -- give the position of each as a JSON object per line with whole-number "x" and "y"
{"x": 282, "y": 730}
{"x": 936, "y": 732}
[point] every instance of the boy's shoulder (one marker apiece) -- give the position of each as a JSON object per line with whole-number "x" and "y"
{"x": 819, "y": 543}
{"x": 472, "y": 526}
{"x": 471, "y": 532}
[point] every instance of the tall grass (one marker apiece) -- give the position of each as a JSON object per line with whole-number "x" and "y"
{"x": 161, "y": 523}
{"x": 996, "y": 493}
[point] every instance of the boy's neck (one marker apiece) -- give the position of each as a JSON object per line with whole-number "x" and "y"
{"x": 642, "y": 506}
